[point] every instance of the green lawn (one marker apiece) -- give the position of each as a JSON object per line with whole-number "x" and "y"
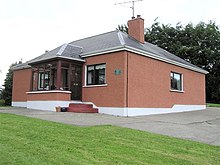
{"x": 213, "y": 105}
{"x": 33, "y": 141}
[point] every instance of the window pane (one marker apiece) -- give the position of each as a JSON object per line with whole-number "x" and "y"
{"x": 96, "y": 74}
{"x": 53, "y": 79}
{"x": 47, "y": 80}
{"x": 90, "y": 77}
{"x": 64, "y": 74}
{"x": 101, "y": 76}
{"x": 40, "y": 80}
{"x": 90, "y": 68}
{"x": 35, "y": 74}
{"x": 100, "y": 66}
{"x": 176, "y": 82}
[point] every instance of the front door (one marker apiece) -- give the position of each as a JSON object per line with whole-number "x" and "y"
{"x": 76, "y": 82}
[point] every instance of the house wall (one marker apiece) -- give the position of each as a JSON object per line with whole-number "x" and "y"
{"x": 113, "y": 93}
{"x": 55, "y": 95}
{"x": 21, "y": 84}
{"x": 149, "y": 84}
{"x": 48, "y": 100}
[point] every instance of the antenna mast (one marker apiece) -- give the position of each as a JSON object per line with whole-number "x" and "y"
{"x": 132, "y": 7}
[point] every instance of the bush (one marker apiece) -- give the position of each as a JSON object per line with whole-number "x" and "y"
{"x": 2, "y": 103}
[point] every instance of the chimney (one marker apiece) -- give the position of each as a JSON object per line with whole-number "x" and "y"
{"x": 136, "y": 28}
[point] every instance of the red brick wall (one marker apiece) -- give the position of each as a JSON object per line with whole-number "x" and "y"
{"x": 47, "y": 95}
{"x": 149, "y": 84}
{"x": 114, "y": 94}
{"x": 21, "y": 84}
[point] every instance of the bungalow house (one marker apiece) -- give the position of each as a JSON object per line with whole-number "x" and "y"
{"x": 112, "y": 73}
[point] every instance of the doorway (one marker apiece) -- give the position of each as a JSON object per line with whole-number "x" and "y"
{"x": 76, "y": 82}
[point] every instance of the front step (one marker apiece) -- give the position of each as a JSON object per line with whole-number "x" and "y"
{"x": 81, "y": 108}
{"x": 80, "y": 105}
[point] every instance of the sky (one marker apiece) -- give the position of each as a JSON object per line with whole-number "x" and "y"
{"x": 29, "y": 27}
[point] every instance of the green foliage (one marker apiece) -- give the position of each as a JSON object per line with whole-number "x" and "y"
{"x": 2, "y": 103}
{"x": 1, "y": 93}
{"x": 32, "y": 141}
{"x": 123, "y": 28}
{"x": 7, "y": 91}
{"x": 198, "y": 44}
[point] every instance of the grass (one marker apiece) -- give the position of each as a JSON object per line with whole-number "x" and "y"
{"x": 26, "y": 140}
{"x": 213, "y": 105}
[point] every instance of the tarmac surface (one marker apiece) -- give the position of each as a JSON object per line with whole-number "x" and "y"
{"x": 201, "y": 126}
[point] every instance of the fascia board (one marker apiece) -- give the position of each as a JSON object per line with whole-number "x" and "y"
{"x": 56, "y": 57}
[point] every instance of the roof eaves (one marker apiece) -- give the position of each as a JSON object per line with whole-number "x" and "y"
{"x": 55, "y": 57}
{"x": 71, "y": 58}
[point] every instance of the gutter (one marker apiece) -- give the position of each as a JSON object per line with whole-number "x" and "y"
{"x": 56, "y": 57}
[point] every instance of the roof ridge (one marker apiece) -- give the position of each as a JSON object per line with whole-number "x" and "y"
{"x": 129, "y": 36}
{"x": 121, "y": 38}
{"x": 61, "y": 50}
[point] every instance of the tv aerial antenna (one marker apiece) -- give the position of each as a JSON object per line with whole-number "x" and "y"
{"x": 132, "y": 5}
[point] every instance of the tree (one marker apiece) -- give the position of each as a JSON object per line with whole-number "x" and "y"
{"x": 123, "y": 28}
{"x": 1, "y": 93}
{"x": 199, "y": 45}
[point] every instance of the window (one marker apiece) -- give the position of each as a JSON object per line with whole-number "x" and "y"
{"x": 96, "y": 74}
{"x": 176, "y": 81}
{"x": 57, "y": 75}
{"x": 41, "y": 80}
{"x": 44, "y": 76}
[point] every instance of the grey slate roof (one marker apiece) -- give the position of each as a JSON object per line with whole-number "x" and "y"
{"x": 20, "y": 66}
{"x": 64, "y": 51}
{"x": 111, "y": 42}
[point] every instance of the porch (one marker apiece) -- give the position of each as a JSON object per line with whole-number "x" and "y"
{"x": 57, "y": 83}
{"x": 55, "y": 79}
{"x": 49, "y": 100}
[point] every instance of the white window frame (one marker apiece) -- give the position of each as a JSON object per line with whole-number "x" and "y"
{"x": 85, "y": 77}
{"x": 181, "y": 77}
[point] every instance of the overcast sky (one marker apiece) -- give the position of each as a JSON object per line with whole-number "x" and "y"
{"x": 29, "y": 27}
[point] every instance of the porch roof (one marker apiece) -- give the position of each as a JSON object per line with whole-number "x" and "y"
{"x": 67, "y": 51}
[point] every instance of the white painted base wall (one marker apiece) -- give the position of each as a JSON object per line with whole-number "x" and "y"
{"x": 19, "y": 104}
{"x": 42, "y": 105}
{"x": 117, "y": 111}
{"x": 47, "y": 105}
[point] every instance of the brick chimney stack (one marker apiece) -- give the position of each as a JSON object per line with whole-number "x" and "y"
{"x": 136, "y": 28}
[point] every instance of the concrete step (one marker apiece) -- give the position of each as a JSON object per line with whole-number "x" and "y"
{"x": 82, "y": 110}
{"x": 80, "y": 105}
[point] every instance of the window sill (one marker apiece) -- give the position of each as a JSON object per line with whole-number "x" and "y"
{"x": 49, "y": 91}
{"x": 91, "y": 86}
{"x": 172, "y": 90}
